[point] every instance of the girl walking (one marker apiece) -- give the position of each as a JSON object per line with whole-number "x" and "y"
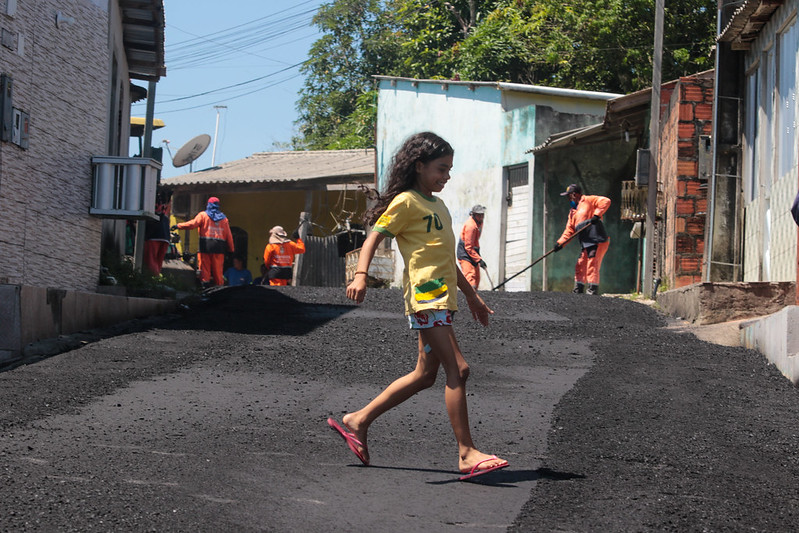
{"x": 422, "y": 226}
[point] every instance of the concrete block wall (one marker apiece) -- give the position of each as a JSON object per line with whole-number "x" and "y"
{"x": 777, "y": 337}
{"x": 30, "y": 314}
{"x": 61, "y": 77}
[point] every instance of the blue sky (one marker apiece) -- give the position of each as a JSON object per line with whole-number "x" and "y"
{"x": 241, "y": 54}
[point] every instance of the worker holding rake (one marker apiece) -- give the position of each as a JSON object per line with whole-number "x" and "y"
{"x": 586, "y": 211}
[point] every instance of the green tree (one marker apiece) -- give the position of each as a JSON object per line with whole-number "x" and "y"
{"x": 614, "y": 42}
{"x": 363, "y": 38}
{"x": 520, "y": 42}
{"x": 601, "y": 45}
{"x": 354, "y": 46}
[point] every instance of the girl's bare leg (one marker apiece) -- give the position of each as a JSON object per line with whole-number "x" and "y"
{"x": 422, "y": 377}
{"x": 446, "y": 351}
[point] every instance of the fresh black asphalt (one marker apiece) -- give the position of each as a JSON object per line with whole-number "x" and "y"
{"x": 214, "y": 420}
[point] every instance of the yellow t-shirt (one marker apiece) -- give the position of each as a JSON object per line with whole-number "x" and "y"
{"x": 423, "y": 229}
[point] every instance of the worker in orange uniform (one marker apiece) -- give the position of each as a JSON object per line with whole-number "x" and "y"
{"x": 215, "y": 240}
{"x": 279, "y": 255}
{"x": 156, "y": 233}
{"x": 594, "y": 241}
{"x": 468, "y": 251}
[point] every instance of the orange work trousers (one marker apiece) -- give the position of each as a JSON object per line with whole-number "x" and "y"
{"x": 588, "y": 264}
{"x": 210, "y": 265}
{"x": 154, "y": 253}
{"x": 470, "y": 272}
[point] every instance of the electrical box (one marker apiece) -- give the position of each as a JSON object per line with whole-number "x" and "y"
{"x": 20, "y": 124}
{"x": 704, "y": 159}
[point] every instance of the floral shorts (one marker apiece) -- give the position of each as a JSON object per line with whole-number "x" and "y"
{"x": 430, "y": 318}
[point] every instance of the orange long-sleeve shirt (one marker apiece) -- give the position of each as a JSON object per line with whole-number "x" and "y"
{"x": 215, "y": 237}
{"x": 587, "y": 208}
{"x": 470, "y": 237}
{"x": 283, "y": 254}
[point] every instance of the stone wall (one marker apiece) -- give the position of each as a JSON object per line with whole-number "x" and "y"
{"x": 712, "y": 303}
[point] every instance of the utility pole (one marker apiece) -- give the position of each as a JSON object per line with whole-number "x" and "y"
{"x": 654, "y": 141}
{"x": 216, "y": 133}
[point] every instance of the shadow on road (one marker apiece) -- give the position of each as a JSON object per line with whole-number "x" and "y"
{"x": 499, "y": 478}
{"x": 257, "y": 310}
{"x": 509, "y": 478}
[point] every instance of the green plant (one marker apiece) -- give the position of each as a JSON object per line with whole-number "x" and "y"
{"x": 121, "y": 271}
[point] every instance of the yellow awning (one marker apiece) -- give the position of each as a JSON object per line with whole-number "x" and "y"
{"x": 139, "y": 121}
{"x": 137, "y": 125}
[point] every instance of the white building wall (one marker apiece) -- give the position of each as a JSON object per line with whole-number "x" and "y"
{"x": 470, "y": 120}
{"x": 61, "y": 78}
{"x": 770, "y": 232}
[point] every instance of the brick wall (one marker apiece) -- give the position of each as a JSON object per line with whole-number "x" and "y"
{"x": 687, "y": 117}
{"x": 61, "y": 78}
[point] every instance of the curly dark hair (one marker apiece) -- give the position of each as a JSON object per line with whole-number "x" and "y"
{"x": 423, "y": 147}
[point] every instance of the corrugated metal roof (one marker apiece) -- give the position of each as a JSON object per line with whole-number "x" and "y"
{"x": 747, "y": 21}
{"x": 143, "y": 38}
{"x": 628, "y": 113}
{"x": 323, "y": 166}
{"x": 507, "y": 86}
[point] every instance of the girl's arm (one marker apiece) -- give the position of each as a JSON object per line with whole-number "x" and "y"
{"x": 477, "y": 306}
{"x": 356, "y": 290}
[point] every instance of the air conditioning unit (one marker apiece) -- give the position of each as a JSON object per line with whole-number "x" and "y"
{"x": 124, "y": 187}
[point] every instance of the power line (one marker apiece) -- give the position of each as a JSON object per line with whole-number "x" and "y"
{"x": 229, "y": 98}
{"x": 203, "y": 38}
{"x": 220, "y": 89}
{"x": 239, "y": 39}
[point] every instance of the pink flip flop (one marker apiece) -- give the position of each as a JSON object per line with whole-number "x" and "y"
{"x": 349, "y": 438}
{"x": 476, "y": 471}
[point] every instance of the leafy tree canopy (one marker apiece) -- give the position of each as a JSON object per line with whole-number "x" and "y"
{"x": 601, "y": 45}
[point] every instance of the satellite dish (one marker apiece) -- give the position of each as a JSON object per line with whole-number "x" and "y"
{"x": 191, "y": 150}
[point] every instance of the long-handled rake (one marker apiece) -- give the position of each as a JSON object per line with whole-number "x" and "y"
{"x": 531, "y": 265}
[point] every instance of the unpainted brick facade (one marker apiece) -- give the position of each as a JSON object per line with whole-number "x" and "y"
{"x": 687, "y": 116}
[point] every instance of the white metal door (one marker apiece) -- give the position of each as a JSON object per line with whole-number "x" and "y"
{"x": 517, "y": 242}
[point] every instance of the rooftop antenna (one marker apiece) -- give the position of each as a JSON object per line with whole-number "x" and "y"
{"x": 166, "y": 142}
{"x": 191, "y": 151}
{"x": 216, "y": 133}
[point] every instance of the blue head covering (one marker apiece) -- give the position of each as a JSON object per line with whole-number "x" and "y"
{"x": 212, "y": 209}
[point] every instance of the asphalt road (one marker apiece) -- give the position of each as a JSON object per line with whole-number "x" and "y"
{"x": 215, "y": 421}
